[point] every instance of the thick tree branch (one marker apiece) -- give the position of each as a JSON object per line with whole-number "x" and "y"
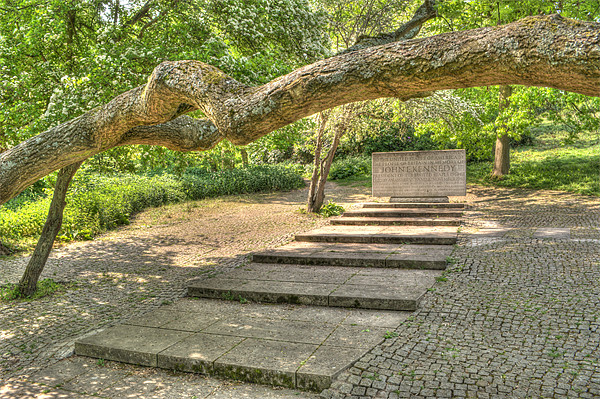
{"x": 407, "y": 31}
{"x": 546, "y": 51}
{"x": 180, "y": 134}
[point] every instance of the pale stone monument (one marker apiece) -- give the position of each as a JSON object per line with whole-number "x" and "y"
{"x": 419, "y": 176}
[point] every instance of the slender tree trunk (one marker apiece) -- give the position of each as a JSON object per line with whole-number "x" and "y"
{"x": 319, "y": 196}
{"x": 244, "y": 157}
{"x": 28, "y": 283}
{"x": 314, "y": 180}
{"x": 502, "y": 151}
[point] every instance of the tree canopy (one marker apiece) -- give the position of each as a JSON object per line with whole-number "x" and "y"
{"x": 549, "y": 51}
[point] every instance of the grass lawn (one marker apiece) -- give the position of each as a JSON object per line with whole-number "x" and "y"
{"x": 552, "y": 163}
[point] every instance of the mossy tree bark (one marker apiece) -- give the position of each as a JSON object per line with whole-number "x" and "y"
{"x": 322, "y": 165}
{"x": 502, "y": 148}
{"x": 28, "y": 284}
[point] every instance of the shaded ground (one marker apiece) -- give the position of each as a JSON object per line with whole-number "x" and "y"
{"x": 517, "y": 316}
{"x": 142, "y": 266}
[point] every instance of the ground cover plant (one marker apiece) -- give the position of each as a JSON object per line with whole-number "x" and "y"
{"x": 97, "y": 203}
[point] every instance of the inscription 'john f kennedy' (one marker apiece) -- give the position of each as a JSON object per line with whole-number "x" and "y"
{"x": 419, "y": 173}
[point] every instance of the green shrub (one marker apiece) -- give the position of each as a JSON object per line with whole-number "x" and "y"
{"x": 331, "y": 209}
{"x": 200, "y": 184}
{"x": 350, "y": 166}
{"x": 97, "y": 203}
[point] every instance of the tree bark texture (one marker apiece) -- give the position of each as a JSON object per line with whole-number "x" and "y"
{"x": 325, "y": 165}
{"x": 549, "y": 51}
{"x": 502, "y": 148}
{"x": 314, "y": 180}
{"x": 28, "y": 283}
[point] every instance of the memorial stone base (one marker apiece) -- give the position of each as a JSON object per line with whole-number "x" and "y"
{"x": 412, "y": 200}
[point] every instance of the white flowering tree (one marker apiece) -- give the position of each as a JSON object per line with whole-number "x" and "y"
{"x": 538, "y": 51}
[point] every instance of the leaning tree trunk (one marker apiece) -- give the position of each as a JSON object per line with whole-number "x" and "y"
{"x": 325, "y": 165}
{"x": 28, "y": 283}
{"x": 502, "y": 151}
{"x": 317, "y": 171}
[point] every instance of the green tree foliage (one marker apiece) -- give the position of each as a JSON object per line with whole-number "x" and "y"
{"x": 61, "y": 58}
{"x": 471, "y": 118}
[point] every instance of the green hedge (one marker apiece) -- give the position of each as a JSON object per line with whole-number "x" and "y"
{"x": 97, "y": 203}
{"x": 350, "y": 166}
{"x": 199, "y": 184}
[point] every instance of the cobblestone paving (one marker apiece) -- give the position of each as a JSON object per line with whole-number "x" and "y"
{"x": 517, "y": 317}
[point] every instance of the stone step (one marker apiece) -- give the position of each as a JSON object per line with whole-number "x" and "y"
{"x": 293, "y": 346}
{"x": 404, "y": 213}
{"x": 358, "y": 255}
{"x": 393, "y": 221}
{"x": 452, "y": 205}
{"x": 358, "y": 287}
{"x": 437, "y": 235}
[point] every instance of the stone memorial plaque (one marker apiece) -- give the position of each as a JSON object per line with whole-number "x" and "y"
{"x": 419, "y": 173}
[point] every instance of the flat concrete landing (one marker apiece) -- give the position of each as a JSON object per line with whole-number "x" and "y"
{"x": 293, "y": 346}
{"x": 442, "y": 205}
{"x": 434, "y": 235}
{"x": 359, "y": 287}
{"x": 393, "y": 221}
{"x": 358, "y": 255}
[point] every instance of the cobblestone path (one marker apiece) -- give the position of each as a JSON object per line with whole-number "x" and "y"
{"x": 517, "y": 316}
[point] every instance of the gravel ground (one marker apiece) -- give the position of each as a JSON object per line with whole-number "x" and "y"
{"x": 517, "y": 315}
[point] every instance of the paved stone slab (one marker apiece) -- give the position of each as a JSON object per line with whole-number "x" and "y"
{"x": 264, "y": 361}
{"x": 356, "y": 336}
{"x": 260, "y": 342}
{"x": 552, "y": 232}
{"x": 395, "y": 221}
{"x": 324, "y": 365}
{"x": 394, "y": 255}
{"x": 197, "y": 353}
{"x": 388, "y": 320}
{"x": 372, "y": 297}
{"x": 306, "y": 332}
{"x": 191, "y": 322}
{"x": 156, "y": 319}
{"x": 452, "y": 205}
{"x": 324, "y": 258}
{"x": 404, "y": 213}
{"x": 371, "y": 288}
{"x": 384, "y": 235}
{"x": 129, "y": 344}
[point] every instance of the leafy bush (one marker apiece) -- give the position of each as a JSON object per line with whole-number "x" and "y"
{"x": 350, "y": 166}
{"x": 200, "y": 184}
{"x": 97, "y": 203}
{"x": 331, "y": 209}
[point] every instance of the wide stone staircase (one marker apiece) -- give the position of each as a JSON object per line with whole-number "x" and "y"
{"x": 299, "y": 314}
